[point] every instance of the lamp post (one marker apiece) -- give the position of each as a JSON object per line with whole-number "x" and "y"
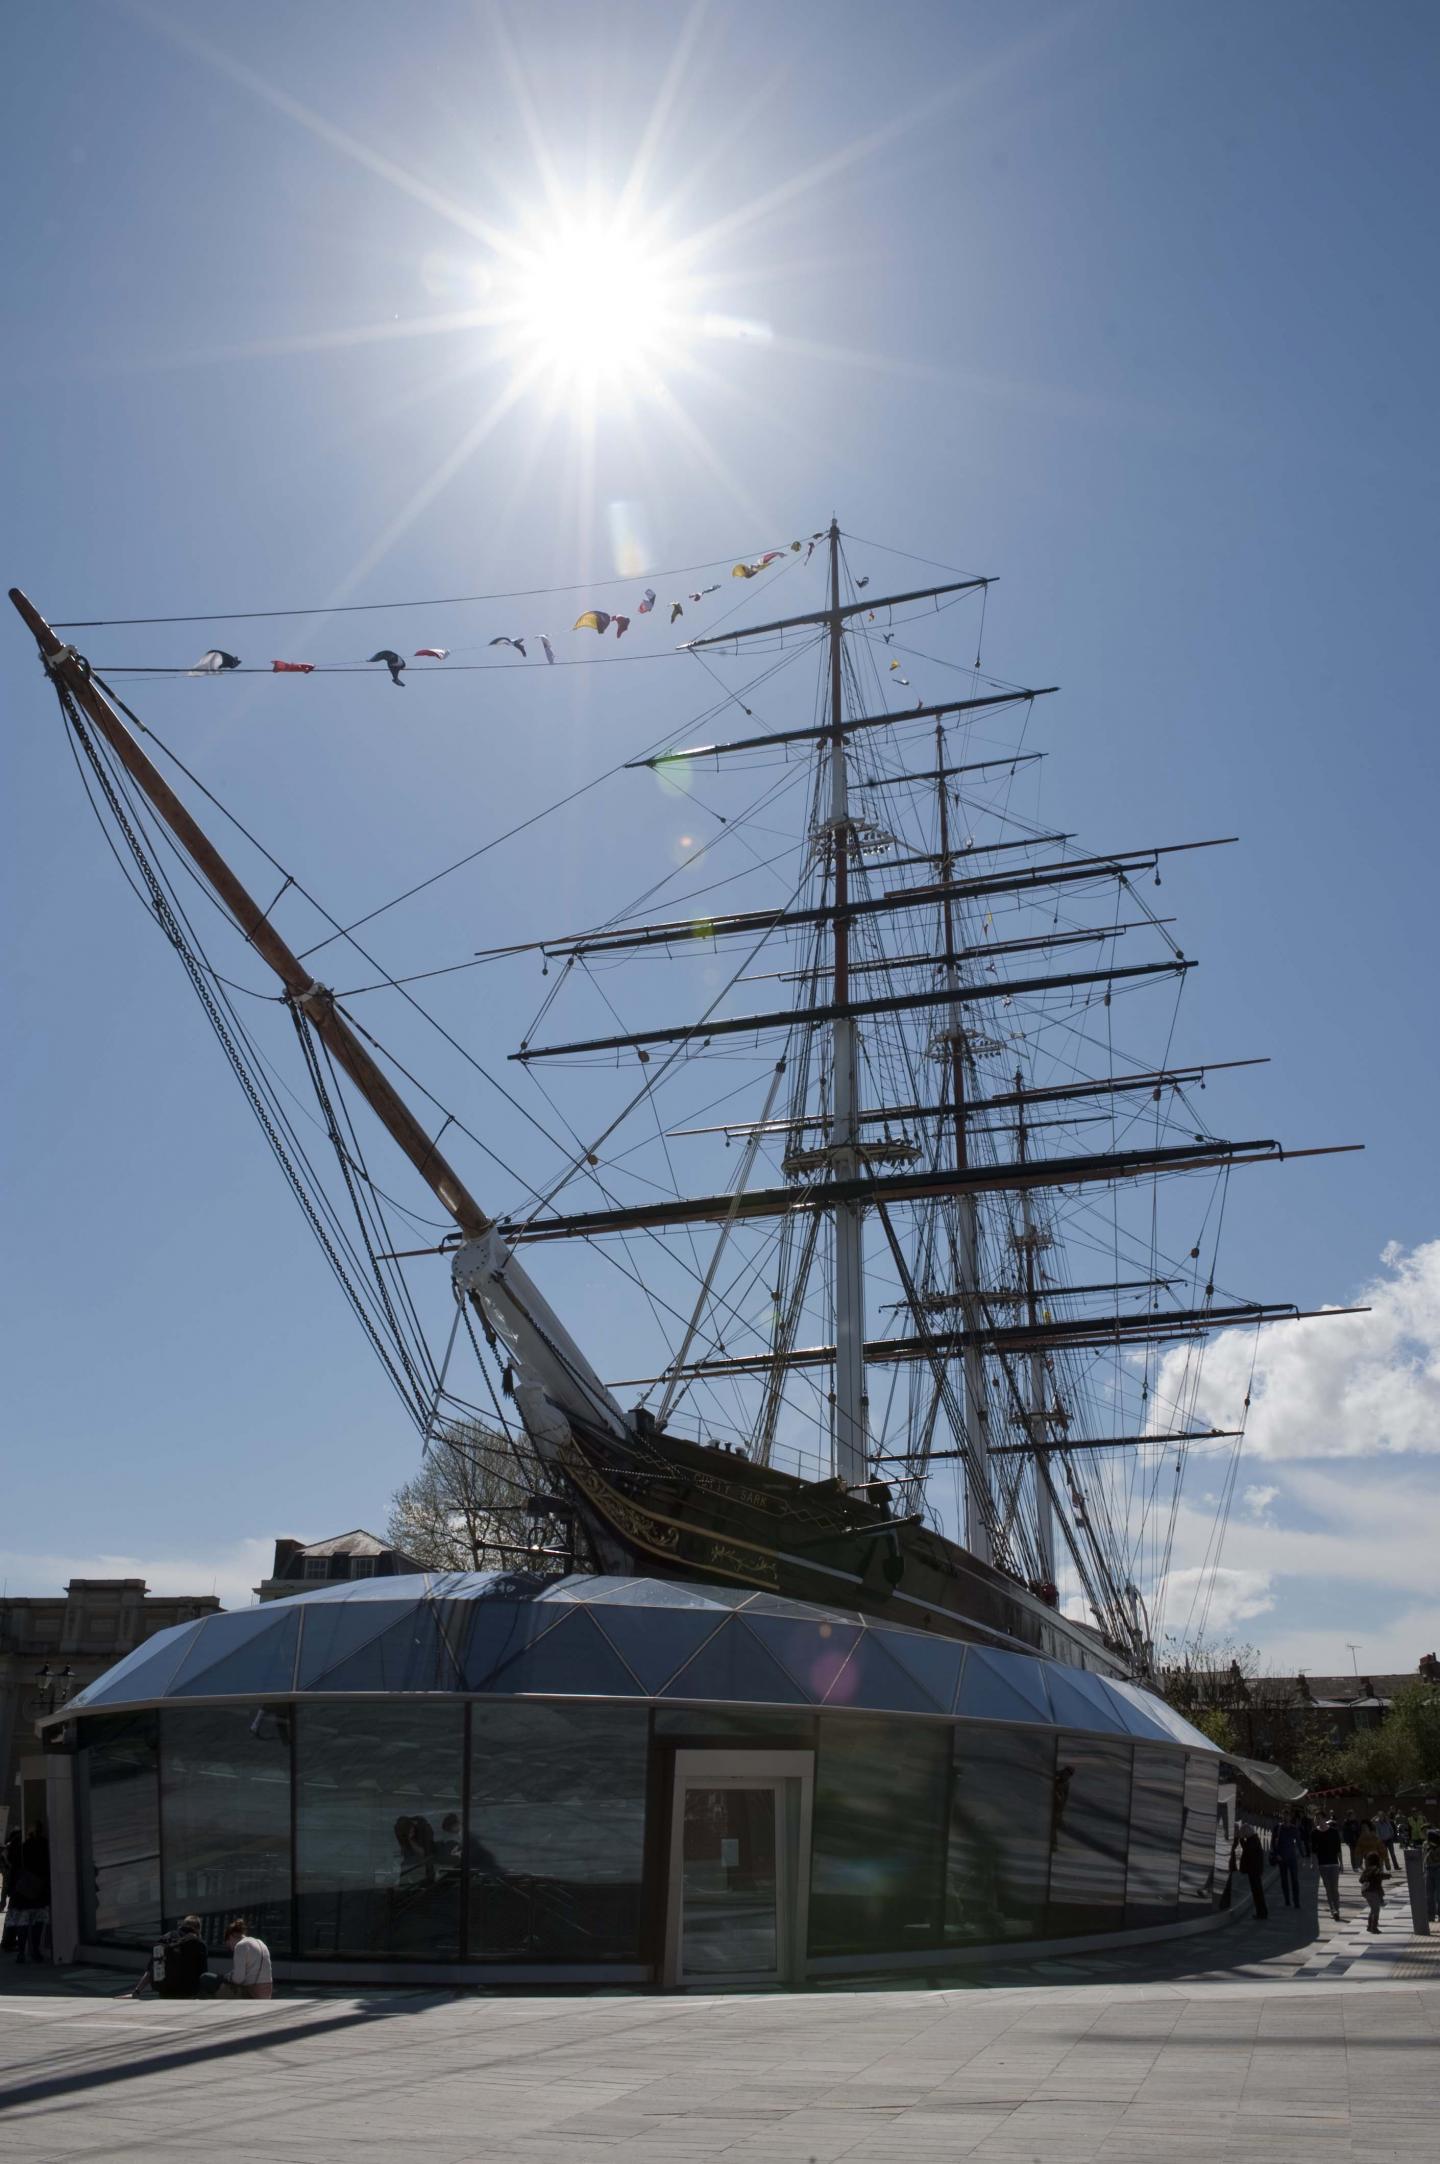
{"x": 52, "y": 1691}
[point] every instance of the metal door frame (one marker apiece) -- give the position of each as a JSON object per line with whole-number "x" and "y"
{"x": 791, "y": 1774}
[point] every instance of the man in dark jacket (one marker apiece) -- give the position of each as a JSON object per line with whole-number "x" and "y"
{"x": 1285, "y": 1851}
{"x": 1252, "y": 1863}
{"x": 176, "y": 1966}
{"x": 1327, "y": 1856}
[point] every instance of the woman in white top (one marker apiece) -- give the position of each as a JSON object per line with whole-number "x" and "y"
{"x": 250, "y": 1974}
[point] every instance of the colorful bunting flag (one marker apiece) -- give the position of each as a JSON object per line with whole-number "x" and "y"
{"x": 393, "y": 663}
{"x": 647, "y": 602}
{"x": 622, "y": 625}
{"x": 675, "y": 610}
{"x": 432, "y": 653}
{"x": 593, "y": 620}
{"x": 518, "y": 644}
{"x": 293, "y": 668}
{"x": 702, "y": 593}
{"x": 213, "y": 663}
{"x": 549, "y": 649}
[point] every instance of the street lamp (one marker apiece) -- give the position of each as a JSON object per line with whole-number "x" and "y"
{"x": 52, "y": 1691}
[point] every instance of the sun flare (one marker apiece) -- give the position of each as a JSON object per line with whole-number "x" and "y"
{"x": 593, "y": 305}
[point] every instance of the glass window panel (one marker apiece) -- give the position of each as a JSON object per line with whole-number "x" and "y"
{"x": 410, "y": 1655}
{"x": 1002, "y": 1687}
{"x": 495, "y": 1631}
{"x": 1092, "y": 1815}
{"x": 655, "y": 1644}
{"x": 1157, "y": 1798}
{"x": 756, "y": 1724}
{"x": 249, "y": 1652}
{"x": 335, "y": 1632}
{"x": 877, "y": 1855}
{"x": 225, "y": 1812}
{"x": 729, "y": 1881}
{"x": 935, "y": 1663}
{"x": 734, "y": 1664}
{"x": 556, "y": 1844}
{"x": 1199, "y": 1880}
{"x": 1002, "y": 1815}
{"x": 377, "y": 1799}
{"x": 573, "y": 1657}
{"x": 147, "y": 1671}
{"x": 871, "y": 1678}
{"x": 814, "y": 1652}
{"x": 1084, "y": 1701}
{"x": 118, "y": 1781}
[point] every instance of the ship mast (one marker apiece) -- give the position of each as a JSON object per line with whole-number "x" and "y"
{"x": 967, "y": 1257}
{"x": 1030, "y": 1240}
{"x": 849, "y": 1290}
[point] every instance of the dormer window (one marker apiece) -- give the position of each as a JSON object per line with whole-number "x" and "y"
{"x": 315, "y": 1566}
{"x": 362, "y": 1566}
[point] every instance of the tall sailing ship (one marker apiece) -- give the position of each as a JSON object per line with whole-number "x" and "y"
{"x": 928, "y": 1297}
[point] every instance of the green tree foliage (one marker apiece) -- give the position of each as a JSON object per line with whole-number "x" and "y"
{"x": 1215, "y": 1722}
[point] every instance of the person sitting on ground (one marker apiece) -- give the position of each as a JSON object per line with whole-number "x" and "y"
{"x": 250, "y": 1974}
{"x": 1373, "y": 1875}
{"x": 177, "y": 1965}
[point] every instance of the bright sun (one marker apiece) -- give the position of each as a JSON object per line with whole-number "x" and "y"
{"x": 593, "y": 305}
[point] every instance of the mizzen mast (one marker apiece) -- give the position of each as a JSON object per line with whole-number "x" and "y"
{"x": 851, "y": 1463}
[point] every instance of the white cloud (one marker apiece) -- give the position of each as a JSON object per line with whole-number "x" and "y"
{"x": 232, "y": 1571}
{"x": 1237, "y": 1597}
{"x": 1257, "y": 1500}
{"x": 1351, "y": 1386}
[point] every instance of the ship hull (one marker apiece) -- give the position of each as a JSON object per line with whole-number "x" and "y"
{"x": 659, "y": 1506}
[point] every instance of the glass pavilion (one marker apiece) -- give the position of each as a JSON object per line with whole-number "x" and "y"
{"x": 492, "y": 1777}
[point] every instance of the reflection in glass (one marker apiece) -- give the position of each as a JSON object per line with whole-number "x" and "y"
{"x": 729, "y": 1889}
{"x": 377, "y": 1836}
{"x": 881, "y": 1790}
{"x": 120, "y": 1830}
{"x": 557, "y": 1831}
{"x": 1002, "y": 1806}
{"x": 1157, "y": 1795}
{"x": 757, "y": 1724}
{"x": 1092, "y": 1813}
{"x": 225, "y": 1810}
{"x": 1199, "y": 1886}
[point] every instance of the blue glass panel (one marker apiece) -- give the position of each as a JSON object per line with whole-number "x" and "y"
{"x": 572, "y": 1659}
{"x": 1002, "y": 1819}
{"x": 1002, "y": 1687}
{"x": 1091, "y": 1836}
{"x": 493, "y": 1632}
{"x": 333, "y": 1631}
{"x": 1142, "y": 1714}
{"x": 655, "y": 1642}
{"x": 733, "y": 1665}
{"x": 145, "y": 1673}
{"x": 674, "y": 1593}
{"x": 935, "y": 1663}
{"x": 878, "y": 1842}
{"x": 870, "y": 1678}
{"x": 412, "y": 1655}
{"x": 581, "y": 1586}
{"x": 363, "y": 1589}
{"x": 776, "y": 1604}
{"x": 813, "y": 1651}
{"x": 118, "y": 1793}
{"x": 253, "y": 1652}
{"x": 1082, "y": 1702}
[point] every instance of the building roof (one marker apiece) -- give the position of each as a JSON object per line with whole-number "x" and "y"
{"x": 359, "y": 1542}
{"x": 500, "y": 1632}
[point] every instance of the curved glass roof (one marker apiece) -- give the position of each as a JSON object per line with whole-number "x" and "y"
{"x": 591, "y": 1637}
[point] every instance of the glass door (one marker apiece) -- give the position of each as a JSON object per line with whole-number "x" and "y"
{"x": 740, "y": 1824}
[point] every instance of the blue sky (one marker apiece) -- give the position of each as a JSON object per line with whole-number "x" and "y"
{"x": 1127, "y": 305}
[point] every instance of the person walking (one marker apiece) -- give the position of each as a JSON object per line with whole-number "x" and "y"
{"x": 1351, "y": 1833}
{"x": 1327, "y": 1856}
{"x": 1431, "y": 1854}
{"x": 1252, "y": 1863}
{"x": 1285, "y": 1851}
{"x": 1385, "y": 1831}
{"x": 1373, "y": 1875}
{"x": 250, "y": 1975}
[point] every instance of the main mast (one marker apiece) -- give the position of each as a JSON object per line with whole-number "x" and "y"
{"x": 967, "y": 1229}
{"x": 851, "y": 1457}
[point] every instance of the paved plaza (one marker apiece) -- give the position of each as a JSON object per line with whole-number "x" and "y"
{"x": 1262, "y": 2041}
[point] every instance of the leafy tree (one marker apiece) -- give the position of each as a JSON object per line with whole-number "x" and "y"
{"x": 1215, "y": 1722}
{"x": 464, "y": 1509}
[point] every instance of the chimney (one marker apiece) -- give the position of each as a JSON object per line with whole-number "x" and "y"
{"x": 1430, "y": 1668}
{"x": 285, "y": 1552}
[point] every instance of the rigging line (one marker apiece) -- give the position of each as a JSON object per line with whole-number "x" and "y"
{"x": 933, "y": 562}
{"x": 156, "y": 672}
{"x": 175, "y": 928}
{"x": 366, "y": 608}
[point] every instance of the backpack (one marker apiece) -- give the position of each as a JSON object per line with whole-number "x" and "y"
{"x": 158, "y": 1953}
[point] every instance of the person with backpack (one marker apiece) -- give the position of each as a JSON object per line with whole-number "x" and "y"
{"x": 177, "y": 1965}
{"x": 1373, "y": 1875}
